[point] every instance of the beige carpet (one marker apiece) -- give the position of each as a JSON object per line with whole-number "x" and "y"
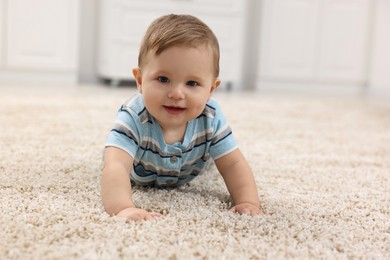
{"x": 322, "y": 166}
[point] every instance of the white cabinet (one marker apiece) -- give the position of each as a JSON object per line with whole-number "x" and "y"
{"x": 40, "y": 40}
{"x": 320, "y": 41}
{"x": 124, "y": 22}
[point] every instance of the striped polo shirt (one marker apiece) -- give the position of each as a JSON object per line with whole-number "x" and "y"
{"x": 158, "y": 164}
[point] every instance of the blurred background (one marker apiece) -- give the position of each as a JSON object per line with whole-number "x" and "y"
{"x": 266, "y": 45}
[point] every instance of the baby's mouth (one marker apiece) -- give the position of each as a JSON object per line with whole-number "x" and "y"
{"x": 173, "y": 110}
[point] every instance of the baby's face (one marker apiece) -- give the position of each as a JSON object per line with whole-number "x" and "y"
{"x": 177, "y": 84}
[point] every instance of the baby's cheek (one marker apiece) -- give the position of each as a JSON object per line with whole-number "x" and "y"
{"x": 199, "y": 109}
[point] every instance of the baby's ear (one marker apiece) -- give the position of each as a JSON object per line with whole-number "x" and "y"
{"x": 215, "y": 85}
{"x": 138, "y": 78}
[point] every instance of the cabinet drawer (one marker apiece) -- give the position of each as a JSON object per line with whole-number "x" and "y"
{"x": 44, "y": 38}
{"x": 129, "y": 26}
{"x": 226, "y": 29}
{"x": 124, "y": 29}
{"x": 123, "y": 24}
{"x": 118, "y": 61}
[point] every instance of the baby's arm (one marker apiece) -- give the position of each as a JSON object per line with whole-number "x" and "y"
{"x": 240, "y": 182}
{"x": 116, "y": 186}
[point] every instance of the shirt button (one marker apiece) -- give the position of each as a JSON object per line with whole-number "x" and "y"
{"x": 173, "y": 159}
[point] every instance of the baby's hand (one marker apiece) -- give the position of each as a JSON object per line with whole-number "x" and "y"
{"x": 246, "y": 208}
{"x": 134, "y": 214}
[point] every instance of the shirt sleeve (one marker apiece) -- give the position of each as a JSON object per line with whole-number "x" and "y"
{"x": 124, "y": 134}
{"x": 223, "y": 141}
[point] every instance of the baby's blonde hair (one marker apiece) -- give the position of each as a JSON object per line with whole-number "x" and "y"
{"x": 178, "y": 30}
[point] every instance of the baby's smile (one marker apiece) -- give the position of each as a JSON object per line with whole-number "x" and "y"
{"x": 174, "y": 110}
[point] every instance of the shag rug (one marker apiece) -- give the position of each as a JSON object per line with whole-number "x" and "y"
{"x": 322, "y": 166}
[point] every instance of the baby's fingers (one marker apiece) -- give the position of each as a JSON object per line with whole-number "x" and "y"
{"x": 136, "y": 214}
{"x": 155, "y": 214}
{"x": 243, "y": 211}
{"x": 148, "y": 215}
{"x": 152, "y": 215}
{"x": 246, "y": 209}
{"x": 240, "y": 210}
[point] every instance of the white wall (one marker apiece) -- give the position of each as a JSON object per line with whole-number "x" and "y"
{"x": 251, "y": 46}
{"x": 88, "y": 40}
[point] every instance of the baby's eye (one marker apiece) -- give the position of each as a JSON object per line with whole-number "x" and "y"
{"x": 192, "y": 83}
{"x": 163, "y": 79}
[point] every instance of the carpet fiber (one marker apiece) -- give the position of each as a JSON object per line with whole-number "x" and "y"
{"x": 322, "y": 167}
